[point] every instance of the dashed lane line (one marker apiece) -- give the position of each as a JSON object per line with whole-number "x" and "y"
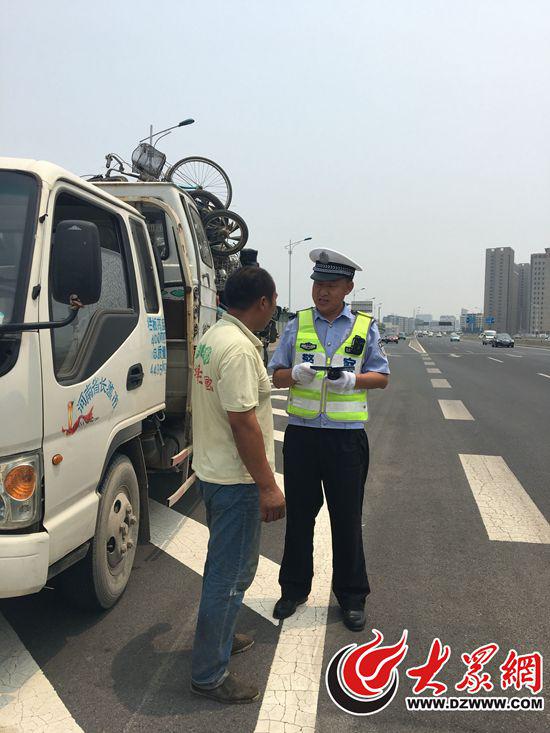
{"x": 278, "y": 411}
{"x": 429, "y": 363}
{"x": 279, "y": 435}
{"x": 454, "y": 410}
{"x": 433, "y": 371}
{"x": 440, "y": 384}
{"x": 508, "y": 512}
{"x": 456, "y": 356}
{"x": 28, "y": 702}
{"x": 492, "y": 358}
{"x": 540, "y": 374}
{"x": 514, "y": 356}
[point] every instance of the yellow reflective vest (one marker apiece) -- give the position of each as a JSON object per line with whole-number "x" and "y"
{"x": 309, "y": 401}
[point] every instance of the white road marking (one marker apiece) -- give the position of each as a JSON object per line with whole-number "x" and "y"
{"x": 186, "y": 540}
{"x": 492, "y": 358}
{"x": 279, "y": 389}
{"x": 454, "y": 410}
{"x": 514, "y": 356}
{"x": 278, "y": 411}
{"x": 415, "y": 346}
{"x": 540, "y": 374}
{"x": 289, "y": 703}
{"x": 28, "y": 702}
{"x": 456, "y": 356}
{"x": 440, "y": 384}
{"x": 279, "y": 398}
{"x": 434, "y": 371}
{"x": 429, "y": 363}
{"x": 279, "y": 435}
{"x": 508, "y": 512}
{"x": 470, "y": 352}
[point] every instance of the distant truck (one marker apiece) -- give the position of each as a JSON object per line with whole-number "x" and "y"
{"x": 487, "y": 337}
{"x": 97, "y": 336}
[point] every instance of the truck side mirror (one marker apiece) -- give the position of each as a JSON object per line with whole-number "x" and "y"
{"x": 76, "y": 262}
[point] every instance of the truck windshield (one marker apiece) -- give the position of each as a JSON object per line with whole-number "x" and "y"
{"x": 18, "y": 197}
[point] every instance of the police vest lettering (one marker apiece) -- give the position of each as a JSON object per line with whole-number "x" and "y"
{"x": 309, "y": 401}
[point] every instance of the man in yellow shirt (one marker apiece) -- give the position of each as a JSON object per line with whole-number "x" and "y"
{"x": 234, "y": 461}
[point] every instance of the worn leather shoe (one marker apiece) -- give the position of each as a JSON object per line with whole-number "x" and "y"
{"x": 232, "y": 691}
{"x": 285, "y": 607}
{"x": 241, "y": 643}
{"x": 354, "y": 619}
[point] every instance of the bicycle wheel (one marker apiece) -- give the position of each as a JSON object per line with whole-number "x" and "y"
{"x": 202, "y": 174}
{"x": 226, "y": 231}
{"x": 206, "y": 202}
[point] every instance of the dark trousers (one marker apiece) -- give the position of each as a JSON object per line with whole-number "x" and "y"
{"x": 339, "y": 460}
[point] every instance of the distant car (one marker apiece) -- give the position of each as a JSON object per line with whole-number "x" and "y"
{"x": 402, "y": 336}
{"x": 390, "y": 338}
{"x": 455, "y": 337}
{"x": 504, "y": 340}
{"x": 439, "y": 334}
{"x": 488, "y": 337}
{"x": 481, "y": 335}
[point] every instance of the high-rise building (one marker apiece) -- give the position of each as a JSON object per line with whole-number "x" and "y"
{"x": 524, "y": 296}
{"x": 403, "y": 324}
{"x": 424, "y": 317}
{"x": 540, "y": 292}
{"x": 501, "y": 289}
{"x": 471, "y": 321}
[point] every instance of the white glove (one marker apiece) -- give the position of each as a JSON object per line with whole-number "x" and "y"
{"x": 344, "y": 383}
{"x": 303, "y": 373}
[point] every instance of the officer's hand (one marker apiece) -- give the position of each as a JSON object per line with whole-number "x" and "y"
{"x": 344, "y": 383}
{"x": 303, "y": 373}
{"x": 272, "y": 503}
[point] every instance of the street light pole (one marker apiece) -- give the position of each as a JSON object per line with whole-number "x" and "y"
{"x": 379, "y": 306}
{"x": 290, "y": 246}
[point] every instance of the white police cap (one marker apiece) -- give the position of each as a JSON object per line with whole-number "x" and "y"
{"x": 332, "y": 265}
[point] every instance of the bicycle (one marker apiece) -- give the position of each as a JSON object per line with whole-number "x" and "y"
{"x": 203, "y": 179}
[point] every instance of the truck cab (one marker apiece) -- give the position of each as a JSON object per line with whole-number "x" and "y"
{"x": 97, "y": 332}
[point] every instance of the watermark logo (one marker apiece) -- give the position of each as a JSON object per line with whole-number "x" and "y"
{"x": 362, "y": 680}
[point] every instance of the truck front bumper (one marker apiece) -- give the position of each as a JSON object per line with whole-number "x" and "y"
{"x": 23, "y": 563}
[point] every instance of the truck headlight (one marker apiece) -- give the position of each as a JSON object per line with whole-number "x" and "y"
{"x": 20, "y": 482}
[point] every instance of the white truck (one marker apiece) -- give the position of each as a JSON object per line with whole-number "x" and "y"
{"x": 97, "y": 335}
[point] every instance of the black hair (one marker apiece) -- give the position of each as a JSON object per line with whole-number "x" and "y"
{"x": 247, "y": 285}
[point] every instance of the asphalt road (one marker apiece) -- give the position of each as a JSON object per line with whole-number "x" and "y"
{"x": 433, "y": 567}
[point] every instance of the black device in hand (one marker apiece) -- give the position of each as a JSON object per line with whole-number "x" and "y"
{"x": 333, "y": 373}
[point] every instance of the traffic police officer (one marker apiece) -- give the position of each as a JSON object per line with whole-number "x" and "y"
{"x": 325, "y": 441}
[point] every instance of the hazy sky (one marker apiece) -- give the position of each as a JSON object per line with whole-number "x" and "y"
{"x": 408, "y": 134}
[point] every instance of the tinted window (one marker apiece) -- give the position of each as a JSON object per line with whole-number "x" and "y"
{"x": 17, "y": 217}
{"x": 202, "y": 241}
{"x": 115, "y": 295}
{"x": 156, "y": 226}
{"x": 145, "y": 267}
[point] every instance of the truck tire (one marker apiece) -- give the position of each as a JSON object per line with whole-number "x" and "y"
{"x": 99, "y": 580}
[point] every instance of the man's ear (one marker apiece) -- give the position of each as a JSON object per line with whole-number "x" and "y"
{"x": 349, "y": 287}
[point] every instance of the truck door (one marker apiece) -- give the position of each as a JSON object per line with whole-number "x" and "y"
{"x": 98, "y": 380}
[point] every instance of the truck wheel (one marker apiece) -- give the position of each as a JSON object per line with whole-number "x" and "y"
{"x": 101, "y": 577}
